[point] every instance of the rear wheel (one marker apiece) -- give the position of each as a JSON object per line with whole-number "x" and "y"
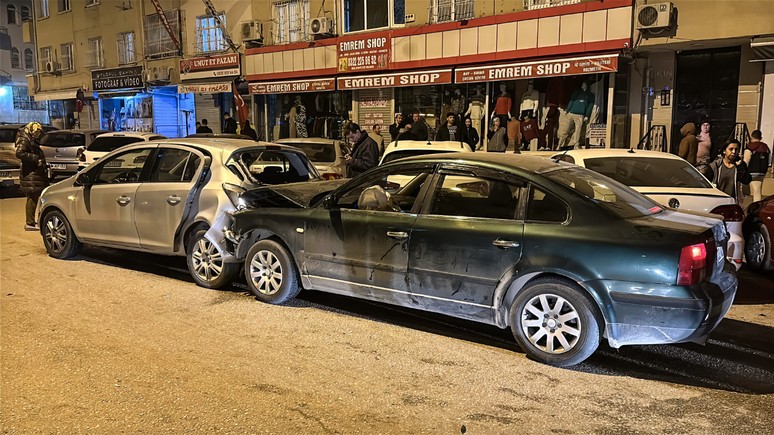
{"x": 554, "y": 323}
{"x": 757, "y": 248}
{"x": 271, "y": 274}
{"x": 58, "y": 236}
{"x": 206, "y": 265}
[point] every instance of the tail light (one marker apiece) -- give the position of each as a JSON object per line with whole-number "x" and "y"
{"x": 730, "y": 212}
{"x": 233, "y": 192}
{"x": 693, "y": 264}
{"x": 80, "y": 154}
{"x": 331, "y": 176}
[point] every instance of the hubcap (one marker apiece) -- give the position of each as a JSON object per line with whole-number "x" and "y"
{"x": 756, "y": 247}
{"x": 551, "y": 323}
{"x": 207, "y": 261}
{"x": 55, "y": 234}
{"x": 266, "y": 272}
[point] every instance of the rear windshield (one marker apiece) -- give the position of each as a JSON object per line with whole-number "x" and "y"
{"x": 275, "y": 166}
{"x": 395, "y": 155}
{"x": 63, "y": 139}
{"x": 110, "y": 143}
{"x": 648, "y": 171}
{"x": 317, "y": 152}
{"x": 606, "y": 192}
{"x": 8, "y": 134}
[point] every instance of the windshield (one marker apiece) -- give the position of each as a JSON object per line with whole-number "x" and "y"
{"x": 8, "y": 134}
{"x": 648, "y": 171}
{"x": 317, "y": 152}
{"x": 110, "y": 143}
{"x": 606, "y": 192}
{"x": 275, "y": 166}
{"x": 63, "y": 139}
{"x": 402, "y": 154}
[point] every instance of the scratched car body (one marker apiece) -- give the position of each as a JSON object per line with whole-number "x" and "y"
{"x": 562, "y": 255}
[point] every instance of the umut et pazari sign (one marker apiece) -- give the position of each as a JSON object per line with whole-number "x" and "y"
{"x": 223, "y": 65}
{"x": 363, "y": 53}
{"x": 547, "y": 68}
{"x": 117, "y": 78}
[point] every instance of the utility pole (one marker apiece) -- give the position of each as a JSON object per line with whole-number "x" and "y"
{"x": 227, "y": 36}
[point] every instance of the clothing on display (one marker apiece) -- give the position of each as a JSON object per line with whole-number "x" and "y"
{"x": 476, "y": 113}
{"x": 530, "y": 102}
{"x": 513, "y": 129}
{"x": 300, "y": 120}
{"x": 573, "y": 118}
{"x": 458, "y": 103}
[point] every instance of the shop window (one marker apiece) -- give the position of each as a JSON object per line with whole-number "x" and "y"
{"x": 12, "y": 17}
{"x": 25, "y": 13}
{"x": 67, "y": 61}
{"x": 29, "y": 60}
{"x": 22, "y": 100}
{"x": 450, "y": 10}
{"x": 291, "y": 21}
{"x": 45, "y": 57}
{"x": 541, "y": 4}
{"x": 64, "y": 5}
{"x": 15, "y": 61}
{"x": 96, "y": 53}
{"x": 158, "y": 42}
{"x": 366, "y": 14}
{"x": 43, "y": 8}
{"x": 125, "y": 48}
{"x": 209, "y": 37}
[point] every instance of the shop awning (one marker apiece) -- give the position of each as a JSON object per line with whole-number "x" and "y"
{"x": 293, "y": 86}
{"x": 65, "y": 94}
{"x": 204, "y": 88}
{"x": 395, "y": 80}
{"x": 602, "y": 63}
{"x": 763, "y": 48}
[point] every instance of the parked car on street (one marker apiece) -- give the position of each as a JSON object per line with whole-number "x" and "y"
{"x": 63, "y": 149}
{"x": 163, "y": 197}
{"x": 670, "y": 181}
{"x": 220, "y": 136}
{"x": 8, "y": 134}
{"x": 562, "y": 255}
{"x": 408, "y": 148}
{"x": 108, "y": 142}
{"x": 758, "y": 230}
{"x": 326, "y": 154}
{"x": 10, "y": 165}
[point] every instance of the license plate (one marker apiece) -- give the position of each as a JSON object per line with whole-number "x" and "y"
{"x": 5, "y": 174}
{"x": 114, "y": 164}
{"x": 58, "y": 166}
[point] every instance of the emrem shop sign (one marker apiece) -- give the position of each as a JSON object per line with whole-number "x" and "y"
{"x": 363, "y": 53}
{"x": 544, "y": 68}
{"x": 293, "y": 86}
{"x": 417, "y": 78}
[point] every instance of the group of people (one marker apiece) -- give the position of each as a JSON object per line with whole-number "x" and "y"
{"x": 416, "y": 129}
{"x": 733, "y": 167}
{"x": 229, "y": 127}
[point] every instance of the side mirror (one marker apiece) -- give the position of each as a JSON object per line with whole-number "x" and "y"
{"x": 329, "y": 203}
{"x": 84, "y": 179}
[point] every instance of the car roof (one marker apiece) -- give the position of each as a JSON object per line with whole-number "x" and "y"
{"x": 143, "y": 135}
{"x": 534, "y": 164}
{"x": 221, "y": 135}
{"x": 312, "y": 140}
{"x": 615, "y": 152}
{"x": 451, "y": 146}
{"x": 227, "y": 145}
{"x": 84, "y": 131}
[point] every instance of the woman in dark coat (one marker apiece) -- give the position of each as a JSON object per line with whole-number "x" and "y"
{"x": 248, "y": 131}
{"x": 34, "y": 175}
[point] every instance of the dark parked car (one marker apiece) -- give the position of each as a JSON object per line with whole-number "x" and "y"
{"x": 63, "y": 149}
{"x": 561, "y": 254}
{"x": 10, "y": 165}
{"x": 758, "y": 228}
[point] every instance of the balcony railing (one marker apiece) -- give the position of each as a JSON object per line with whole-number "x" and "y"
{"x": 442, "y": 11}
{"x": 542, "y": 4}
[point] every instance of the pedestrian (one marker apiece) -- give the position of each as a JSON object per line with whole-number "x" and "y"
{"x": 689, "y": 145}
{"x": 376, "y": 135}
{"x": 498, "y": 142}
{"x": 229, "y": 124}
{"x": 406, "y": 133}
{"x": 729, "y": 171}
{"x": 758, "y": 159}
{"x": 419, "y": 127}
{"x": 34, "y": 173}
{"x": 205, "y": 128}
{"x": 471, "y": 135}
{"x": 396, "y": 126}
{"x": 198, "y": 126}
{"x": 249, "y": 131}
{"x": 450, "y": 131}
{"x": 365, "y": 152}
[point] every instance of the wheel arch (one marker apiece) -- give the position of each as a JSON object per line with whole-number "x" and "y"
{"x": 52, "y": 208}
{"x": 195, "y": 226}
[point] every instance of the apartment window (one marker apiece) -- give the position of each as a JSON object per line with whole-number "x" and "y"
{"x": 125, "y": 48}
{"x": 22, "y": 100}
{"x": 541, "y": 4}
{"x": 64, "y": 5}
{"x": 12, "y": 18}
{"x": 43, "y": 8}
{"x": 291, "y": 21}
{"x": 92, "y": 3}
{"x": 366, "y": 14}
{"x": 96, "y": 54}
{"x": 29, "y": 60}
{"x": 450, "y": 10}
{"x": 158, "y": 43}
{"x": 25, "y": 13}
{"x": 15, "y": 61}
{"x": 45, "y": 57}
{"x": 67, "y": 60}
{"x": 209, "y": 37}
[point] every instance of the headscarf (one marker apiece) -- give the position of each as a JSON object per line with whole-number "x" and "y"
{"x": 33, "y": 130}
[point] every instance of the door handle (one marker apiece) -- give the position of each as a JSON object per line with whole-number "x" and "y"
{"x": 123, "y": 200}
{"x": 397, "y": 234}
{"x": 173, "y": 200}
{"x": 505, "y": 244}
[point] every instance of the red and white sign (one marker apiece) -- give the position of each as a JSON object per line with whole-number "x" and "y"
{"x": 223, "y": 65}
{"x": 544, "y": 68}
{"x": 364, "y": 52}
{"x": 414, "y": 78}
{"x": 293, "y": 86}
{"x": 207, "y": 88}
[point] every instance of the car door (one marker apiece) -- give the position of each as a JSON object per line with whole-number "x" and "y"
{"x": 359, "y": 244}
{"x": 468, "y": 235}
{"x": 161, "y": 201}
{"x": 105, "y": 212}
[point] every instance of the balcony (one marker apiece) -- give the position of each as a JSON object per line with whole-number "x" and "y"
{"x": 542, "y": 4}
{"x": 442, "y": 11}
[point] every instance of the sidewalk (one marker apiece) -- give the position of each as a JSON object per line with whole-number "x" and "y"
{"x": 766, "y": 190}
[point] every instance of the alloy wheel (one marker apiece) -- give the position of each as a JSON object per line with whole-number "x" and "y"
{"x": 207, "y": 261}
{"x": 266, "y": 272}
{"x": 551, "y": 323}
{"x": 56, "y": 234}
{"x": 756, "y": 248}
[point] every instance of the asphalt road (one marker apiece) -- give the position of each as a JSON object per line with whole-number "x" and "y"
{"x": 115, "y": 341}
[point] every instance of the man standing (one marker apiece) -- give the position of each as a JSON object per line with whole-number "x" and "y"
{"x": 418, "y": 127}
{"x": 365, "y": 152}
{"x": 34, "y": 174}
{"x": 204, "y": 127}
{"x": 229, "y": 124}
{"x": 376, "y": 135}
{"x": 450, "y": 130}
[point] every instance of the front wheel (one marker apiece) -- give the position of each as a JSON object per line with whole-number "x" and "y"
{"x": 757, "y": 248}
{"x": 271, "y": 274}
{"x": 58, "y": 236}
{"x": 206, "y": 265}
{"x": 555, "y": 323}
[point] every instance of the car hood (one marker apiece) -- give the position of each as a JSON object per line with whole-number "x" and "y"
{"x": 9, "y": 160}
{"x": 289, "y": 195}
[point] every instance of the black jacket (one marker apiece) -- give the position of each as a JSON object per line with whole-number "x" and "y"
{"x": 34, "y": 174}
{"x": 365, "y": 155}
{"x": 394, "y": 131}
{"x": 419, "y": 129}
{"x": 248, "y": 131}
{"x": 230, "y": 126}
{"x": 443, "y": 134}
{"x": 471, "y": 137}
{"x": 204, "y": 129}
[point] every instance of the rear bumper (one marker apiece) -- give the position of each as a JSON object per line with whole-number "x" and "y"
{"x": 9, "y": 177}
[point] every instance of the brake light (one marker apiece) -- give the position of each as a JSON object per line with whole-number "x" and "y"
{"x": 233, "y": 192}
{"x": 331, "y": 176}
{"x": 80, "y": 154}
{"x": 730, "y": 212}
{"x": 693, "y": 265}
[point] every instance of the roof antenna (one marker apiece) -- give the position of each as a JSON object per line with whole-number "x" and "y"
{"x": 560, "y": 156}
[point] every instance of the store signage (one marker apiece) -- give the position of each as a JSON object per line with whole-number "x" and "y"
{"x": 415, "y": 78}
{"x": 207, "y": 88}
{"x": 545, "y": 68}
{"x": 364, "y": 52}
{"x": 223, "y": 65}
{"x": 293, "y": 86}
{"x": 117, "y": 78}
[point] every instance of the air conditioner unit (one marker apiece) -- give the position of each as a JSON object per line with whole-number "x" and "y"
{"x": 252, "y": 31}
{"x": 159, "y": 74}
{"x": 654, "y": 15}
{"x": 52, "y": 67}
{"x": 321, "y": 26}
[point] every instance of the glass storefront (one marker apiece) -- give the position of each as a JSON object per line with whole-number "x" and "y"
{"x": 308, "y": 114}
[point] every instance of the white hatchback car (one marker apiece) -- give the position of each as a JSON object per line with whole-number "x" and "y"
{"x": 409, "y": 148}
{"x": 668, "y": 180}
{"x": 108, "y": 142}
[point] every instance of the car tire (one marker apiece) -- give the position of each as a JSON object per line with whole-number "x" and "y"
{"x": 555, "y": 323}
{"x": 206, "y": 265}
{"x": 757, "y": 247}
{"x": 270, "y": 272}
{"x": 58, "y": 235}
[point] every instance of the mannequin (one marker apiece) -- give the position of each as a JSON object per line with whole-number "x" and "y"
{"x": 578, "y": 111}
{"x": 503, "y": 104}
{"x": 446, "y": 102}
{"x": 529, "y": 132}
{"x": 513, "y": 129}
{"x": 529, "y": 102}
{"x": 476, "y": 111}
{"x": 300, "y": 119}
{"x": 458, "y": 103}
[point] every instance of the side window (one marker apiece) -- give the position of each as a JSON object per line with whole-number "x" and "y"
{"x": 123, "y": 168}
{"x": 546, "y": 207}
{"x": 464, "y": 195}
{"x": 396, "y": 192}
{"x": 174, "y": 165}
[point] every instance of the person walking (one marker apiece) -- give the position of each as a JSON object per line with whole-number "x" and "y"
{"x": 498, "y": 141}
{"x": 758, "y": 159}
{"x": 34, "y": 173}
{"x": 204, "y": 128}
{"x": 249, "y": 131}
{"x": 229, "y": 124}
{"x": 729, "y": 171}
{"x": 471, "y": 135}
{"x": 689, "y": 145}
{"x": 365, "y": 152}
